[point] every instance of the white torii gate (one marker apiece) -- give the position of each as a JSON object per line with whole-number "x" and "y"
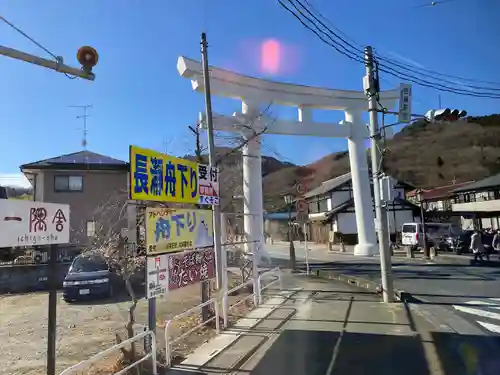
{"x": 253, "y": 93}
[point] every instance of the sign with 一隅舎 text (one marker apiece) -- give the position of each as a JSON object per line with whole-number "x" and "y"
{"x": 173, "y": 230}
{"x": 190, "y": 267}
{"x": 157, "y": 270}
{"x": 29, "y": 223}
{"x": 159, "y": 177}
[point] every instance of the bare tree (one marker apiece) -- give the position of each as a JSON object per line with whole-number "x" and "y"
{"x": 126, "y": 260}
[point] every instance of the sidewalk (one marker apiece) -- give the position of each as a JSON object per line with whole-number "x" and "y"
{"x": 321, "y": 250}
{"x": 329, "y": 327}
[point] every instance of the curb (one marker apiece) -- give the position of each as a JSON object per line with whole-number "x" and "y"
{"x": 400, "y": 295}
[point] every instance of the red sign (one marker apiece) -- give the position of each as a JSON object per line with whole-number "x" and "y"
{"x": 190, "y": 268}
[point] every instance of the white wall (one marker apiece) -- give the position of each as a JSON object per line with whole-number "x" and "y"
{"x": 485, "y": 206}
{"x": 404, "y": 216}
{"x": 346, "y": 223}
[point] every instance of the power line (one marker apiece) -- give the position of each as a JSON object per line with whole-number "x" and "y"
{"x": 360, "y": 48}
{"x": 385, "y": 68}
{"x": 58, "y": 59}
{"x": 341, "y": 45}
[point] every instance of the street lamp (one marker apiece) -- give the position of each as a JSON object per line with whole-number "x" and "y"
{"x": 420, "y": 198}
{"x": 289, "y": 202}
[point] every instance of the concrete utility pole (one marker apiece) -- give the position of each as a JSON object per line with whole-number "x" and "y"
{"x": 371, "y": 86}
{"x": 205, "y": 284}
{"x": 219, "y": 252}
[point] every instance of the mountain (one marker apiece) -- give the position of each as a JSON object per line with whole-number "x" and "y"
{"x": 425, "y": 155}
{"x": 231, "y": 175}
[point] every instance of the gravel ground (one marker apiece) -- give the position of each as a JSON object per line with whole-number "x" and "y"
{"x": 83, "y": 329}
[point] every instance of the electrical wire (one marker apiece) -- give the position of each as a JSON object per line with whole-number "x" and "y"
{"x": 32, "y": 40}
{"x": 353, "y": 44}
{"x": 386, "y": 69}
{"x": 341, "y": 45}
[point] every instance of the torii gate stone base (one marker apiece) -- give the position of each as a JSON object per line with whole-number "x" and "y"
{"x": 254, "y": 93}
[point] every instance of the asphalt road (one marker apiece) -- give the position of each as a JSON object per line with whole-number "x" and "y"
{"x": 472, "y": 292}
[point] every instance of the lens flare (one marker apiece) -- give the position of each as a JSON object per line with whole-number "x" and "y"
{"x": 270, "y": 56}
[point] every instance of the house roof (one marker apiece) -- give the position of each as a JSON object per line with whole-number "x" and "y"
{"x": 488, "y": 182}
{"x": 335, "y": 183}
{"x": 79, "y": 160}
{"x": 349, "y": 203}
{"x": 328, "y": 185}
{"x": 445, "y": 191}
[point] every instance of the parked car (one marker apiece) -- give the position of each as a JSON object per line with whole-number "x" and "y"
{"x": 89, "y": 277}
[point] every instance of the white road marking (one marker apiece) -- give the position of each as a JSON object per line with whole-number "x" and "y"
{"x": 491, "y": 303}
{"x": 482, "y": 303}
{"x": 490, "y": 327}
{"x": 473, "y": 311}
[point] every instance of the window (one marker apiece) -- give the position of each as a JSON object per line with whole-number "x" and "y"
{"x": 323, "y": 205}
{"x": 411, "y": 228}
{"x": 68, "y": 183}
{"x": 90, "y": 228}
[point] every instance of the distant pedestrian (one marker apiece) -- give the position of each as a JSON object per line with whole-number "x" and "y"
{"x": 495, "y": 244}
{"x": 476, "y": 245}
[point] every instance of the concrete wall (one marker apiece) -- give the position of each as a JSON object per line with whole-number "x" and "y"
{"x": 19, "y": 279}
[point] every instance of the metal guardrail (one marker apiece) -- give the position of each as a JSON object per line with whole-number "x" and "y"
{"x": 168, "y": 323}
{"x": 83, "y": 364}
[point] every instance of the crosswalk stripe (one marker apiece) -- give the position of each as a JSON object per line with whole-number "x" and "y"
{"x": 490, "y": 327}
{"x": 473, "y": 311}
{"x": 482, "y": 303}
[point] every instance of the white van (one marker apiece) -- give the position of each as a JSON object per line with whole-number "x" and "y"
{"x": 412, "y": 234}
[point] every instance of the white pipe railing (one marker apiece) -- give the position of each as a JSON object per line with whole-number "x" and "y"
{"x": 261, "y": 288}
{"x": 83, "y": 364}
{"x": 225, "y": 299}
{"x": 168, "y": 323}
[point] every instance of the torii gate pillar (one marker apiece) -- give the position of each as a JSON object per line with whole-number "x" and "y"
{"x": 361, "y": 188}
{"x": 253, "y": 218}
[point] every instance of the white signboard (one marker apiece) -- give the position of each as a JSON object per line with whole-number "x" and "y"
{"x": 208, "y": 184}
{"x": 29, "y": 223}
{"x": 404, "y": 103}
{"x": 157, "y": 283}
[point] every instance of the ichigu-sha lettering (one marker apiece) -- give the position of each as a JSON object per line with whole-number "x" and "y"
{"x": 36, "y": 239}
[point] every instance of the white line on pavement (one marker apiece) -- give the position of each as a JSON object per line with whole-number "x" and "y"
{"x": 483, "y": 303}
{"x": 473, "y": 311}
{"x": 490, "y": 327}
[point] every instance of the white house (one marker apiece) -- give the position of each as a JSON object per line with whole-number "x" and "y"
{"x": 332, "y": 213}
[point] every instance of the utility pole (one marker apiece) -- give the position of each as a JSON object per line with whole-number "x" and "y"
{"x": 205, "y": 284}
{"x": 84, "y": 117}
{"x": 372, "y": 88}
{"x": 219, "y": 252}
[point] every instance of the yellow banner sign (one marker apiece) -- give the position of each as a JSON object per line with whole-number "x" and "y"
{"x": 172, "y": 230}
{"x": 158, "y": 177}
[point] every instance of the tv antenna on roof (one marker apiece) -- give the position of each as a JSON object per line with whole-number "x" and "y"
{"x": 84, "y": 117}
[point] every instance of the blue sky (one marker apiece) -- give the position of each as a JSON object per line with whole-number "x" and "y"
{"x": 138, "y": 97}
